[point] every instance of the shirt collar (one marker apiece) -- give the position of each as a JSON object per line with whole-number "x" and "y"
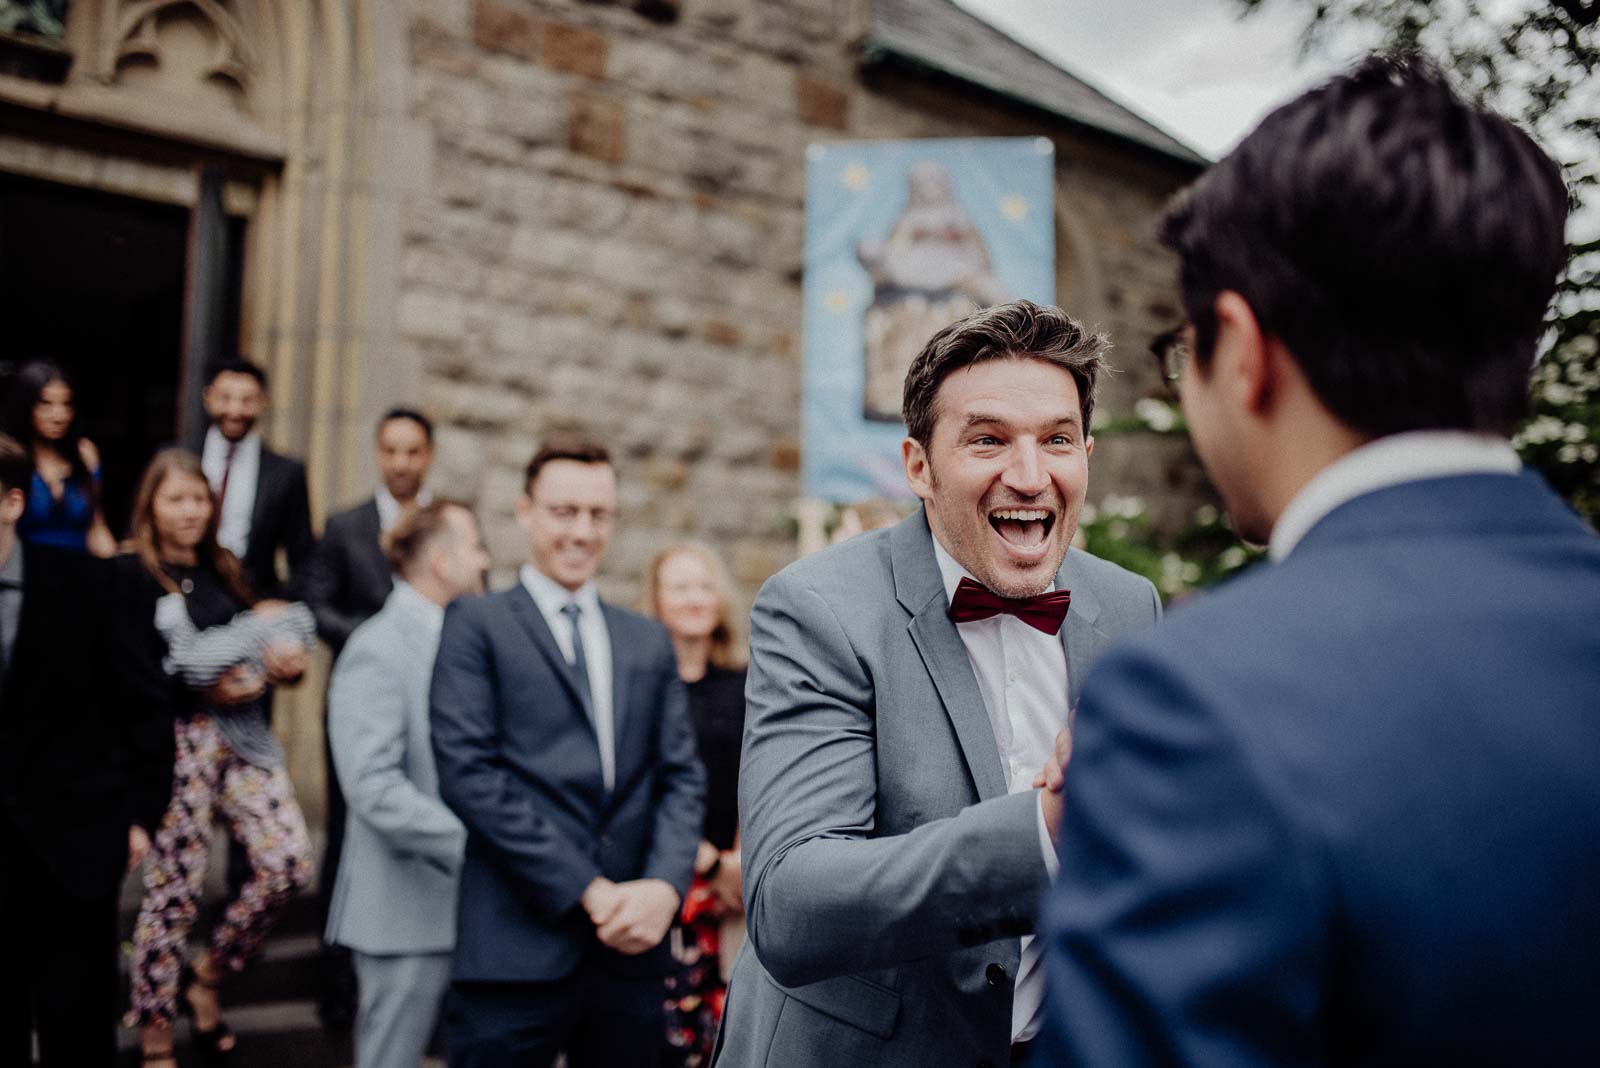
{"x": 389, "y": 508}
{"x": 408, "y": 597}
{"x": 217, "y": 445}
{"x": 953, "y": 573}
{"x": 552, "y": 597}
{"x": 1389, "y": 461}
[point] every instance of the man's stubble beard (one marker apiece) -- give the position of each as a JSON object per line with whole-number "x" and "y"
{"x": 975, "y": 555}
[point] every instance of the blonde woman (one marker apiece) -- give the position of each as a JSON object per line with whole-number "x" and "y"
{"x": 687, "y": 588}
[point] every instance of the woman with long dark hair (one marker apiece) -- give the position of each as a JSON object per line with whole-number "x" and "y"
{"x": 64, "y": 493}
{"x": 228, "y": 763}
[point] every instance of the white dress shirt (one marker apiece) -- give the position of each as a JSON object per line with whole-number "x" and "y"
{"x": 233, "y": 526}
{"x": 552, "y": 597}
{"x": 389, "y": 509}
{"x": 1389, "y": 461}
{"x": 1022, "y": 675}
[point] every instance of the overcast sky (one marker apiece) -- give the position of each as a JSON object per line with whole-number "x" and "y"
{"x": 1193, "y": 67}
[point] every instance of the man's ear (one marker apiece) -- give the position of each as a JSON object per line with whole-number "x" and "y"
{"x": 524, "y": 510}
{"x": 1244, "y": 354}
{"x": 919, "y": 475}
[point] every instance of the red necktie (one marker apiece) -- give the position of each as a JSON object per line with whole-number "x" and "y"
{"x": 227, "y": 472}
{"x": 1045, "y": 611}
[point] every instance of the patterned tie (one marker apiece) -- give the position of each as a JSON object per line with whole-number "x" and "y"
{"x": 580, "y": 663}
{"x": 1045, "y": 611}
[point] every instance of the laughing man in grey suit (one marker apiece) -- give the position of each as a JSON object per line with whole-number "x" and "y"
{"x": 394, "y": 899}
{"x": 906, "y": 689}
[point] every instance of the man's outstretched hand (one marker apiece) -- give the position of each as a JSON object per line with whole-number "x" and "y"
{"x": 1051, "y": 780}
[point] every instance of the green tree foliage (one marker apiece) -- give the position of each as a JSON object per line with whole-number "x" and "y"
{"x": 1536, "y": 63}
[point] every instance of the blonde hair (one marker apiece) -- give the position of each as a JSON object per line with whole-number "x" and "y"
{"x": 728, "y": 647}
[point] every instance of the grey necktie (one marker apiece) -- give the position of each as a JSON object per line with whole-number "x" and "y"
{"x": 8, "y": 590}
{"x": 580, "y": 664}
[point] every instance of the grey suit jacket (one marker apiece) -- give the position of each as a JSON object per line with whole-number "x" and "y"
{"x": 395, "y": 891}
{"x": 888, "y": 874}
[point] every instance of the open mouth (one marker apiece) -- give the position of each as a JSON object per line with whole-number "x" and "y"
{"x": 1024, "y": 529}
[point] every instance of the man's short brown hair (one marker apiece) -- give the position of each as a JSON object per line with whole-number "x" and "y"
{"x": 1017, "y": 330}
{"x": 564, "y": 445}
{"x": 415, "y": 532}
{"x": 16, "y": 467}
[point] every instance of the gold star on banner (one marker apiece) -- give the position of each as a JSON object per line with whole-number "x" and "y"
{"x": 837, "y": 301}
{"x": 1014, "y": 207}
{"x": 856, "y": 177}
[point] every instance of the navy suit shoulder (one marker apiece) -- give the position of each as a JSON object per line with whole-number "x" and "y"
{"x": 1342, "y": 796}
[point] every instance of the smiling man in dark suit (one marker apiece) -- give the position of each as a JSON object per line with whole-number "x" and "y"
{"x": 1345, "y": 811}
{"x": 261, "y": 494}
{"x": 563, "y": 743}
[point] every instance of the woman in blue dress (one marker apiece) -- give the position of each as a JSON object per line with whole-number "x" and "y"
{"x": 64, "y": 494}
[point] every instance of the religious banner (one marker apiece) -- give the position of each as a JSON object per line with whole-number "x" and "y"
{"x": 903, "y": 238}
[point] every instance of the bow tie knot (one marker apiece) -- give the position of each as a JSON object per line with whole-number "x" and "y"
{"x": 1044, "y": 611}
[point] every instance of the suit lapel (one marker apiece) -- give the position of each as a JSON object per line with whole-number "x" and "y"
{"x": 266, "y": 467}
{"x": 532, "y": 620}
{"x": 1081, "y": 636}
{"x": 620, "y": 658}
{"x": 920, "y": 590}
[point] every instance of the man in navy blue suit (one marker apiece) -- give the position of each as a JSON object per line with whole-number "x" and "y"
{"x": 1347, "y": 809}
{"x": 564, "y": 745}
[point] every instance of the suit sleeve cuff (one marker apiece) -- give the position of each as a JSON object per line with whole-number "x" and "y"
{"x": 1052, "y": 862}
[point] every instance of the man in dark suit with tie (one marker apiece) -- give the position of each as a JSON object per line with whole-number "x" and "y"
{"x": 261, "y": 494}
{"x": 1345, "y": 810}
{"x": 564, "y": 745}
{"x": 85, "y": 777}
{"x": 346, "y": 584}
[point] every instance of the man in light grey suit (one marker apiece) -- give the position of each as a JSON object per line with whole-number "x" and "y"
{"x": 907, "y": 690}
{"x": 394, "y": 900}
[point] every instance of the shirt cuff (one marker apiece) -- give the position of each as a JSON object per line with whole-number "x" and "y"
{"x": 1052, "y": 862}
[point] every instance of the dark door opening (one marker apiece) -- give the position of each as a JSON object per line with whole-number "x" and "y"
{"x": 95, "y": 283}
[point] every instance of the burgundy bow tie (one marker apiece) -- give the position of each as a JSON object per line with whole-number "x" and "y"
{"x": 1044, "y": 611}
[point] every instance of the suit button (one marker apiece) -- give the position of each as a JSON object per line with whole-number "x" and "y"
{"x": 995, "y": 974}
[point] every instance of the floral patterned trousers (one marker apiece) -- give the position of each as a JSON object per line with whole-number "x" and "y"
{"x": 258, "y": 804}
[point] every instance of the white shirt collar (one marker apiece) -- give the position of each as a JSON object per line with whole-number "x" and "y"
{"x": 1389, "y": 461}
{"x": 952, "y": 572}
{"x": 217, "y": 446}
{"x": 409, "y": 598}
{"x": 389, "y": 508}
{"x": 551, "y": 596}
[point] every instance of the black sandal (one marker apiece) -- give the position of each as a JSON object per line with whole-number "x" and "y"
{"x": 208, "y": 1045}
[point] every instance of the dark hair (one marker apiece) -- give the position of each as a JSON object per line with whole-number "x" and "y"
{"x": 564, "y": 445}
{"x": 237, "y": 366}
{"x": 144, "y": 542}
{"x": 1402, "y": 244}
{"x": 16, "y": 469}
{"x": 417, "y": 529}
{"x": 27, "y": 387}
{"x": 1020, "y": 329}
{"x": 408, "y": 413}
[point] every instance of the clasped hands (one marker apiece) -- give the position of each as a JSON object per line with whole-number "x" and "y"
{"x": 630, "y": 917}
{"x": 1051, "y": 781}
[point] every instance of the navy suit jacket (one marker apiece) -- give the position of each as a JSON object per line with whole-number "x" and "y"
{"x": 1346, "y": 811}
{"x": 519, "y": 764}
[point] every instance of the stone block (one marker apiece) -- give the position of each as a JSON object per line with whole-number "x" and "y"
{"x": 533, "y": 120}
{"x": 503, "y": 27}
{"x": 574, "y": 49}
{"x": 452, "y": 18}
{"x": 432, "y": 315}
{"x": 821, "y": 103}
{"x": 597, "y": 127}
